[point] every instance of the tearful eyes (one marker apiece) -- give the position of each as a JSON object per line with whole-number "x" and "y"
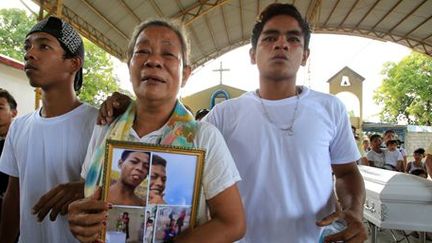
{"x": 148, "y": 52}
{"x": 143, "y": 51}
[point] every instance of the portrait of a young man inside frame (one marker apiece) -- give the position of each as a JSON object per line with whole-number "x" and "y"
{"x": 154, "y": 190}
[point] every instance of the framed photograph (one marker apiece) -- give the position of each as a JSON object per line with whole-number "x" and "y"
{"x": 154, "y": 190}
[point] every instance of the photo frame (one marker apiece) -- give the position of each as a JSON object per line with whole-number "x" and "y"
{"x": 154, "y": 190}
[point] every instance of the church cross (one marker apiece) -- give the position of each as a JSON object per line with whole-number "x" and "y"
{"x": 221, "y": 70}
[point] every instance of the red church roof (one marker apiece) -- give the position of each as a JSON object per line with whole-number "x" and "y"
{"x": 11, "y": 62}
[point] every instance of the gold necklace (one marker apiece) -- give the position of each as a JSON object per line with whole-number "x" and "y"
{"x": 289, "y": 130}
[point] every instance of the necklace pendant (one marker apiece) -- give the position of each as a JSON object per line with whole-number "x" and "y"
{"x": 289, "y": 131}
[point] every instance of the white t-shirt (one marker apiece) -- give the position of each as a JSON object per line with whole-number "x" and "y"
{"x": 392, "y": 157}
{"x": 219, "y": 171}
{"x": 42, "y": 153}
{"x": 286, "y": 180}
{"x": 377, "y": 158}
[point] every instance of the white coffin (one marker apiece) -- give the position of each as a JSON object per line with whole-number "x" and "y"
{"x": 396, "y": 200}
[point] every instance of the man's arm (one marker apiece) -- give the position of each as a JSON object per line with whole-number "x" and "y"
{"x": 57, "y": 200}
{"x": 351, "y": 196}
{"x": 9, "y": 226}
{"x": 350, "y": 188}
{"x": 227, "y": 222}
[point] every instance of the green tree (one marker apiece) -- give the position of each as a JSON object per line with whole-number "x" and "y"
{"x": 99, "y": 80}
{"x": 406, "y": 91}
{"x": 14, "y": 25}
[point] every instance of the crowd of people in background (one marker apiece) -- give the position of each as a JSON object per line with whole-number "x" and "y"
{"x": 387, "y": 152}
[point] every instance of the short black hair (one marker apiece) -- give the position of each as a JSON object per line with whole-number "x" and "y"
{"x": 69, "y": 40}
{"x": 201, "y": 113}
{"x": 10, "y": 99}
{"x": 419, "y": 151}
{"x": 374, "y": 136}
{"x": 392, "y": 142}
{"x": 126, "y": 153}
{"x": 276, "y": 9}
{"x": 389, "y": 131}
{"x": 158, "y": 160}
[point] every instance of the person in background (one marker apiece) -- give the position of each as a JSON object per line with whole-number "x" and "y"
{"x": 417, "y": 167}
{"x": 8, "y": 111}
{"x": 365, "y": 148}
{"x": 392, "y": 157}
{"x": 366, "y": 145}
{"x": 375, "y": 156}
{"x": 201, "y": 113}
{"x": 391, "y": 135}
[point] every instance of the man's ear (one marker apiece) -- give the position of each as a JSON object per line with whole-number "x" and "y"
{"x": 252, "y": 53}
{"x": 14, "y": 113}
{"x": 76, "y": 63}
{"x": 305, "y": 56}
{"x": 185, "y": 75}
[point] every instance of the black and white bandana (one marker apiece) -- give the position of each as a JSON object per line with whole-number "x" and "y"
{"x": 69, "y": 39}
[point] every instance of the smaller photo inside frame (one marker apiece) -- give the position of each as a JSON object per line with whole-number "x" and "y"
{"x": 150, "y": 222}
{"x": 128, "y": 178}
{"x": 154, "y": 191}
{"x": 171, "y": 180}
{"x": 125, "y": 225}
{"x": 169, "y": 222}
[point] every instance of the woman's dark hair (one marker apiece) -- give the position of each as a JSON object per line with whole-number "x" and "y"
{"x": 276, "y": 9}
{"x": 178, "y": 29}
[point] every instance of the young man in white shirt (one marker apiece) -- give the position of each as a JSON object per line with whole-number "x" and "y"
{"x": 375, "y": 156}
{"x": 44, "y": 150}
{"x": 287, "y": 140}
{"x": 391, "y": 135}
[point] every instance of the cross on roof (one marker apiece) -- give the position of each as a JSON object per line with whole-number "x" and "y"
{"x": 221, "y": 70}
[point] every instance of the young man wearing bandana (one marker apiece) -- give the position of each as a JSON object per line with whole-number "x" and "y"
{"x": 291, "y": 139}
{"x": 44, "y": 150}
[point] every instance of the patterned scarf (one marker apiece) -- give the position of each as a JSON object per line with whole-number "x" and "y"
{"x": 179, "y": 131}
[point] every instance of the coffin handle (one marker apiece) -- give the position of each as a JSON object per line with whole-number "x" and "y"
{"x": 370, "y": 208}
